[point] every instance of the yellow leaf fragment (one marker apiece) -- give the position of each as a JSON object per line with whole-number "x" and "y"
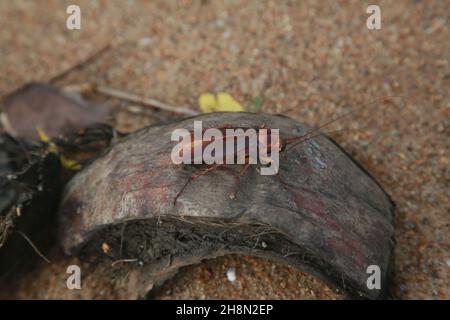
{"x": 227, "y": 103}
{"x": 42, "y": 135}
{"x": 65, "y": 162}
{"x": 207, "y": 102}
{"x": 221, "y": 102}
{"x": 69, "y": 164}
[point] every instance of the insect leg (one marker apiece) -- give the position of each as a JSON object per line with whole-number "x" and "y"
{"x": 195, "y": 176}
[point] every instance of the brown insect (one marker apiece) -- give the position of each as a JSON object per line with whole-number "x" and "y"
{"x": 248, "y": 152}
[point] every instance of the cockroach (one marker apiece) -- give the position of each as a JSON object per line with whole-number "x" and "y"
{"x": 248, "y": 151}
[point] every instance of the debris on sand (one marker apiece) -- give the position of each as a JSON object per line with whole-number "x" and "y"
{"x": 231, "y": 274}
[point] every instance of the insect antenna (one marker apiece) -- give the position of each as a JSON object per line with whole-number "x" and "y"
{"x": 321, "y": 134}
{"x": 296, "y": 140}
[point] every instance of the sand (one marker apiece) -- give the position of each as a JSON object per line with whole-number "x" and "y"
{"x": 309, "y": 60}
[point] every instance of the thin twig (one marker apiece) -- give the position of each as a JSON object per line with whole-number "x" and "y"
{"x": 32, "y": 245}
{"x": 143, "y": 111}
{"x": 144, "y": 101}
{"x": 80, "y": 64}
{"x": 83, "y": 88}
{"x": 123, "y": 260}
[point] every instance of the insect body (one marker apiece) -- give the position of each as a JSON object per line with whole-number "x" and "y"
{"x": 217, "y": 147}
{"x": 225, "y": 145}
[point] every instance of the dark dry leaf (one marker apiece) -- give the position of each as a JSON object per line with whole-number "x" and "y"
{"x": 39, "y": 105}
{"x": 29, "y": 195}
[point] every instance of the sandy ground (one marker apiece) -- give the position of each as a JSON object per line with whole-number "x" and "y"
{"x": 309, "y": 60}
